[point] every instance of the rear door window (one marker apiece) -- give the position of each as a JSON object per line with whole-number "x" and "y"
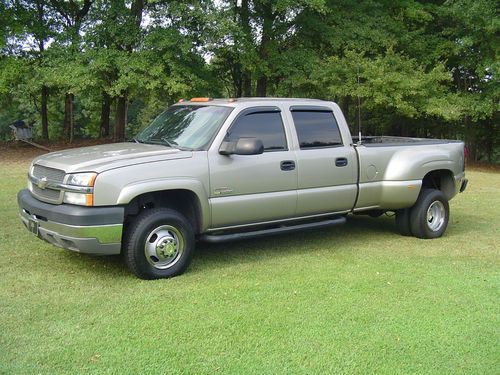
{"x": 316, "y": 129}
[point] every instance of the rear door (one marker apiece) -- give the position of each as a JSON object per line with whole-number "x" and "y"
{"x": 326, "y": 165}
{"x": 246, "y": 189}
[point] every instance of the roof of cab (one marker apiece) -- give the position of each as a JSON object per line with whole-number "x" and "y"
{"x": 233, "y": 102}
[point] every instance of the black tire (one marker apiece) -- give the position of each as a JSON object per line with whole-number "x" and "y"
{"x": 403, "y": 222}
{"x": 427, "y": 222}
{"x": 168, "y": 235}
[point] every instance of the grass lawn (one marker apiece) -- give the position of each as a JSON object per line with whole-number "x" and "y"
{"x": 353, "y": 299}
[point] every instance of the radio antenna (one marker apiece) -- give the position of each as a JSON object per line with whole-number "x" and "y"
{"x": 359, "y": 108}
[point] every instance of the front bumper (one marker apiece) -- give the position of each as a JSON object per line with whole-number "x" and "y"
{"x": 91, "y": 230}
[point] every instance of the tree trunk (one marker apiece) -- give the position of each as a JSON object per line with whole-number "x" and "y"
{"x": 68, "y": 117}
{"x": 471, "y": 138}
{"x": 247, "y": 84}
{"x": 136, "y": 10}
{"x": 345, "y": 104}
{"x": 43, "y": 113}
{"x": 237, "y": 82}
{"x": 105, "y": 111}
{"x": 261, "y": 89}
{"x": 267, "y": 28}
{"x": 247, "y": 32}
{"x": 121, "y": 118}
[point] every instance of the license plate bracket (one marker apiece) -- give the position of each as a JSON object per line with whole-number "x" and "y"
{"x": 33, "y": 226}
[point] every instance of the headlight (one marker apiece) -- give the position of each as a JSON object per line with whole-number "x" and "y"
{"x": 85, "y": 198}
{"x": 81, "y": 179}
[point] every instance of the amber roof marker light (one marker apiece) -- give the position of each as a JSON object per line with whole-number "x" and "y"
{"x": 200, "y": 99}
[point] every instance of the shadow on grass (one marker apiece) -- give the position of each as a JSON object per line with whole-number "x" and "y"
{"x": 102, "y": 267}
{"x": 226, "y": 255}
{"x": 216, "y": 256}
{"x": 338, "y": 239}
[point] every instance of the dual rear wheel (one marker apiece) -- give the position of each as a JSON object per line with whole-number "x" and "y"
{"x": 428, "y": 218}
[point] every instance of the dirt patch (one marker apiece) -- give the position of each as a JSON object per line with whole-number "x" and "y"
{"x": 20, "y": 152}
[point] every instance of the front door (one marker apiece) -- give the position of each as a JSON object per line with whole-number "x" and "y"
{"x": 248, "y": 189}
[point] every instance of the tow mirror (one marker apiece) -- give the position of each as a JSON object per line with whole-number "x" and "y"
{"x": 242, "y": 146}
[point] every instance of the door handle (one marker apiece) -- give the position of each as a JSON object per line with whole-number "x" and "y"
{"x": 287, "y": 165}
{"x": 341, "y": 162}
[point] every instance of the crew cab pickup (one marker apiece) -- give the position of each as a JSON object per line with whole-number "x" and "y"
{"x": 225, "y": 169}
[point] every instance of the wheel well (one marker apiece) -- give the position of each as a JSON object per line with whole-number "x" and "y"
{"x": 183, "y": 201}
{"x": 441, "y": 179}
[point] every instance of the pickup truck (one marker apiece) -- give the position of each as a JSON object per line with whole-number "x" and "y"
{"x": 226, "y": 169}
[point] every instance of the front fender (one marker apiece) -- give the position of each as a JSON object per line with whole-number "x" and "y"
{"x": 135, "y": 189}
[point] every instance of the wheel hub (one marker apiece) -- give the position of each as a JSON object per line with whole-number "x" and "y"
{"x": 435, "y": 216}
{"x": 164, "y": 246}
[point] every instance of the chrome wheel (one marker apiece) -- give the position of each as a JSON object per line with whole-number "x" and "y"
{"x": 435, "y": 216}
{"x": 164, "y": 247}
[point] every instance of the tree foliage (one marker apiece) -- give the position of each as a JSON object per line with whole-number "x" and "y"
{"x": 97, "y": 68}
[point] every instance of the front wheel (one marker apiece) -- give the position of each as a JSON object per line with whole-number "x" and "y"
{"x": 430, "y": 214}
{"x": 160, "y": 244}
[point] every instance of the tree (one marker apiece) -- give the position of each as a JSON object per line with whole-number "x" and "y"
{"x": 72, "y": 14}
{"x": 254, "y": 38}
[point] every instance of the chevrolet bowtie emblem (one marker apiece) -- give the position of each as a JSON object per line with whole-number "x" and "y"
{"x": 42, "y": 183}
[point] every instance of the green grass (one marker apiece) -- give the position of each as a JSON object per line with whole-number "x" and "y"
{"x": 353, "y": 299}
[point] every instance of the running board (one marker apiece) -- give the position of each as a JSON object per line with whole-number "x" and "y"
{"x": 272, "y": 231}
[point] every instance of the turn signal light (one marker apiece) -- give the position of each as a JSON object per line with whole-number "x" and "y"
{"x": 89, "y": 199}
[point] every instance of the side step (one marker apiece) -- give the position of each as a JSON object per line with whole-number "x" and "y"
{"x": 272, "y": 231}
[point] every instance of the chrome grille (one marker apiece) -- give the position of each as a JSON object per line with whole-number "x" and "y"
{"x": 48, "y": 194}
{"x": 52, "y": 174}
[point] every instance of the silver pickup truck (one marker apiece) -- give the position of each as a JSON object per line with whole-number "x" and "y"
{"x": 226, "y": 169}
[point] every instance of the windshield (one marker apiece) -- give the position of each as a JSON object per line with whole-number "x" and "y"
{"x": 185, "y": 127}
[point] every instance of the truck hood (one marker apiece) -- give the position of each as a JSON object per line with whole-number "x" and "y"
{"x": 108, "y": 156}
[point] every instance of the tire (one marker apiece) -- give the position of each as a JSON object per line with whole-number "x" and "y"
{"x": 160, "y": 244}
{"x": 403, "y": 222}
{"x": 430, "y": 215}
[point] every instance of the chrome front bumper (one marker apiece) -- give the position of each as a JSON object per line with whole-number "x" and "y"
{"x": 102, "y": 239}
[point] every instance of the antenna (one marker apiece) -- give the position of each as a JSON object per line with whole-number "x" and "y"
{"x": 359, "y": 109}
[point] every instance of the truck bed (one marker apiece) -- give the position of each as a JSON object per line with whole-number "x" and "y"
{"x": 378, "y": 141}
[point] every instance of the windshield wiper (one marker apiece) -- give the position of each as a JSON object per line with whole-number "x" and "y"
{"x": 165, "y": 142}
{"x": 174, "y": 144}
{"x": 170, "y": 143}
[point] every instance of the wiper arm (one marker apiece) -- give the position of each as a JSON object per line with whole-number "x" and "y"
{"x": 173, "y": 144}
{"x": 165, "y": 142}
{"x": 170, "y": 143}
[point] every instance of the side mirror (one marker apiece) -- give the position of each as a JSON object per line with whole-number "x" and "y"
{"x": 242, "y": 146}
